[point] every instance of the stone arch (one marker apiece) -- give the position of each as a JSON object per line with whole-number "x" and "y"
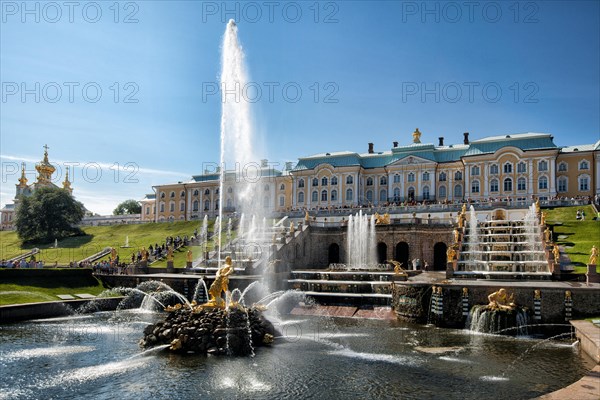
{"x": 439, "y": 256}
{"x": 381, "y": 252}
{"x": 333, "y": 253}
{"x": 402, "y": 253}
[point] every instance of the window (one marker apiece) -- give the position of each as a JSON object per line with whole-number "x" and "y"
{"x": 396, "y": 194}
{"x": 196, "y": 193}
{"x": 458, "y": 176}
{"x": 383, "y": 195}
{"x": 182, "y": 193}
{"x": 543, "y": 166}
{"x": 584, "y": 165}
{"x": 181, "y": 206}
{"x": 172, "y": 195}
{"x": 206, "y": 192}
{"x": 411, "y": 177}
{"x": 282, "y": 186}
{"x": 301, "y": 197}
{"x": 458, "y": 191}
{"x": 315, "y": 196}
{"x": 521, "y": 184}
{"x": 334, "y": 180}
{"x": 229, "y": 203}
{"x": 334, "y": 195}
{"x": 563, "y": 184}
{"x": 507, "y": 168}
{"x": 267, "y": 188}
{"x": 494, "y": 169}
{"x": 442, "y": 191}
{"x": 543, "y": 183}
{"x": 494, "y": 185}
{"x": 229, "y": 190}
{"x": 162, "y": 207}
{"x": 508, "y": 185}
{"x": 206, "y": 205}
{"x": 383, "y": 180}
{"x": 217, "y": 205}
{"x": 475, "y": 170}
{"x": 396, "y": 178}
{"x": 315, "y": 182}
{"x": 369, "y": 181}
{"x": 349, "y": 195}
{"x": 147, "y": 210}
{"x": 411, "y": 193}
{"x": 324, "y": 181}
{"x": 442, "y": 177}
{"x": 172, "y": 207}
{"x": 425, "y": 192}
{"x": 281, "y": 201}
{"x": 521, "y": 167}
{"x": 349, "y": 180}
{"x": 266, "y": 202}
{"x": 162, "y": 195}
{"x": 300, "y": 183}
{"x": 369, "y": 196}
{"x": 425, "y": 176}
{"x": 562, "y": 167}
{"x": 217, "y": 191}
{"x": 196, "y": 205}
{"x": 584, "y": 183}
{"x": 475, "y": 186}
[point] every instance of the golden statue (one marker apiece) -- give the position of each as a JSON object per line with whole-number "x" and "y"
{"x": 537, "y": 294}
{"x": 465, "y": 292}
{"x": 144, "y": 254}
{"x": 170, "y": 253}
{"x": 463, "y": 209}
{"x": 460, "y": 221}
{"x": 382, "y": 219}
{"x": 450, "y": 254}
{"x": 306, "y": 217}
{"x": 398, "y": 270}
{"x": 567, "y": 294}
{"x": 190, "y": 256}
{"x": 439, "y": 290}
{"x": 221, "y": 284}
{"x": 113, "y": 253}
{"x": 416, "y": 136}
{"x": 292, "y": 228}
{"x": 548, "y": 235}
{"x": 556, "y": 254}
{"x": 593, "y": 256}
{"x": 537, "y": 206}
{"x": 501, "y": 301}
{"x": 543, "y": 218}
{"x": 456, "y": 235}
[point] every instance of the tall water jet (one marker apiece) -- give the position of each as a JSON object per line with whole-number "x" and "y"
{"x": 360, "y": 242}
{"x": 473, "y": 243}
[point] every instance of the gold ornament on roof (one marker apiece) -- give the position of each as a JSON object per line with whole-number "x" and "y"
{"x": 23, "y": 178}
{"x": 44, "y": 168}
{"x": 416, "y": 136}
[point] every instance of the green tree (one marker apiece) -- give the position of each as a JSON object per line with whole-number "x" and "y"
{"x": 128, "y": 207}
{"x": 50, "y": 213}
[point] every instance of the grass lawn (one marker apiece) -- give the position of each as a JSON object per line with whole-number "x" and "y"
{"x": 32, "y": 289}
{"x": 577, "y": 237}
{"x": 97, "y": 238}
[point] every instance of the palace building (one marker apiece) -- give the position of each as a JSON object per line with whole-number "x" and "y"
{"x": 515, "y": 167}
{"x": 23, "y": 189}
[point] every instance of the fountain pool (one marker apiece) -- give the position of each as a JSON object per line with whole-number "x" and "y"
{"x": 97, "y": 356}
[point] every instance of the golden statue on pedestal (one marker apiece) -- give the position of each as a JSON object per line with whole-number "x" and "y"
{"x": 221, "y": 284}
{"x": 416, "y": 136}
{"x": 398, "y": 270}
{"x": 170, "y": 253}
{"x": 556, "y": 254}
{"x": 593, "y": 256}
{"x": 190, "y": 256}
{"x": 501, "y": 301}
{"x": 548, "y": 235}
{"x": 382, "y": 219}
{"x": 144, "y": 254}
{"x": 456, "y": 235}
{"x": 451, "y": 254}
{"x": 543, "y": 218}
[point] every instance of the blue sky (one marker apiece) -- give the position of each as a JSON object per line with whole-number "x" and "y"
{"x": 381, "y": 69}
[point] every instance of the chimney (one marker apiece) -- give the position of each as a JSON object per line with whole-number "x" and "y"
{"x": 395, "y": 144}
{"x": 466, "y": 141}
{"x": 441, "y": 139}
{"x": 371, "y": 151}
{"x": 288, "y": 166}
{"x": 264, "y": 163}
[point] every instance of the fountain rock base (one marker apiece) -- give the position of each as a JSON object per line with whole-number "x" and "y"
{"x": 488, "y": 319}
{"x": 235, "y": 331}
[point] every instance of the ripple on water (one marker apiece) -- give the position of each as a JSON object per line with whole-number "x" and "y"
{"x": 44, "y": 352}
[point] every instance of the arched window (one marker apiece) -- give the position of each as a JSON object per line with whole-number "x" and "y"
{"x": 217, "y": 191}
{"x": 508, "y": 168}
{"x": 171, "y": 207}
{"x": 563, "y": 184}
{"x": 300, "y": 183}
{"x": 508, "y": 185}
{"x": 458, "y": 191}
{"x": 267, "y": 188}
{"x": 458, "y": 176}
{"x": 324, "y": 195}
{"x": 267, "y": 202}
{"x": 411, "y": 193}
{"x": 282, "y": 186}
{"x": 543, "y": 183}
{"x": 334, "y": 180}
{"x": 301, "y": 197}
{"x": 383, "y": 180}
{"x": 182, "y": 206}
{"x": 217, "y": 205}
{"x": 475, "y": 186}
{"x": 206, "y": 192}
{"x": 315, "y": 196}
{"x": 443, "y": 177}
{"x": 334, "y": 196}
{"x": 369, "y": 196}
{"x": 396, "y": 194}
{"x": 147, "y": 210}
{"x": 196, "y": 205}
{"x": 349, "y": 195}
{"x": 543, "y": 166}
{"x": 584, "y": 165}
{"x": 425, "y": 192}
{"x": 196, "y": 193}
{"x": 162, "y": 195}
{"x": 442, "y": 191}
{"x": 475, "y": 170}
{"x": 562, "y": 167}
{"x": 230, "y": 190}
{"x": 324, "y": 181}
{"x": 521, "y": 167}
{"x": 494, "y": 185}
{"x": 182, "y": 193}
{"x": 383, "y": 195}
{"x": 206, "y": 205}
{"x": 229, "y": 203}
{"x": 281, "y": 201}
{"x": 369, "y": 181}
{"x": 521, "y": 184}
{"x": 349, "y": 180}
{"x": 425, "y": 176}
{"x": 584, "y": 183}
{"x": 396, "y": 178}
{"x": 411, "y": 177}
{"x": 162, "y": 207}
{"x": 494, "y": 169}
{"x": 315, "y": 182}
{"x": 172, "y": 195}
